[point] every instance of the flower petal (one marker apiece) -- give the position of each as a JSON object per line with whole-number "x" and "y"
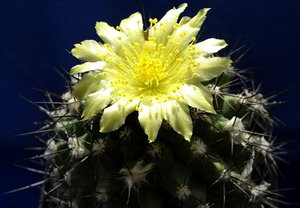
{"x": 114, "y": 116}
{"x": 111, "y": 36}
{"x": 89, "y": 50}
{"x": 132, "y": 27}
{"x": 150, "y": 118}
{"x": 197, "y": 21}
{"x": 165, "y": 26}
{"x": 95, "y": 103}
{"x": 197, "y": 96}
{"x": 210, "y": 68}
{"x": 89, "y": 84}
{"x": 87, "y": 66}
{"x": 185, "y": 32}
{"x": 211, "y": 45}
{"x": 178, "y": 116}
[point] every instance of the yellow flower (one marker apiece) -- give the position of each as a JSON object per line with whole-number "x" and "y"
{"x": 157, "y": 72}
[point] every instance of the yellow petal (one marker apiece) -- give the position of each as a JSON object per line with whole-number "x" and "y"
{"x": 185, "y": 32}
{"x": 150, "y": 118}
{"x": 87, "y": 66}
{"x": 111, "y": 36}
{"x": 114, "y": 116}
{"x": 89, "y": 84}
{"x": 165, "y": 26}
{"x": 132, "y": 27}
{"x": 95, "y": 103}
{"x": 88, "y": 50}
{"x": 178, "y": 116}
{"x": 211, "y": 45}
{"x": 197, "y": 96}
{"x": 210, "y": 68}
{"x": 197, "y": 21}
{"x": 184, "y": 40}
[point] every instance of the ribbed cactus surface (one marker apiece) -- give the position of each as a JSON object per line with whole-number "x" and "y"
{"x": 154, "y": 119}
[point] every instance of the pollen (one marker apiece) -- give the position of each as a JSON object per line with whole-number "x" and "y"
{"x": 153, "y": 21}
{"x": 176, "y": 26}
{"x": 183, "y": 33}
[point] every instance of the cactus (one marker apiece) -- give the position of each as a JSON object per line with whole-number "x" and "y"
{"x": 156, "y": 119}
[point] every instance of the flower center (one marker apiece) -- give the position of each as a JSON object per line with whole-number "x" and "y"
{"x": 150, "y": 70}
{"x": 153, "y": 70}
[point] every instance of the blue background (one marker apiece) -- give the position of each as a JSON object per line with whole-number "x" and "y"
{"x": 36, "y": 36}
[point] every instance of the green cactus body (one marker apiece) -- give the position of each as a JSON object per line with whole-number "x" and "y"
{"x": 219, "y": 154}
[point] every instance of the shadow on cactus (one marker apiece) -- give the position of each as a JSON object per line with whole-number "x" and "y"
{"x": 154, "y": 118}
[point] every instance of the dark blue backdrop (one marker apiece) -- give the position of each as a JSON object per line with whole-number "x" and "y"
{"x": 36, "y": 35}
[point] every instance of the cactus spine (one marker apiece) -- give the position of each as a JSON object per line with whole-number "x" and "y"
{"x": 154, "y": 119}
